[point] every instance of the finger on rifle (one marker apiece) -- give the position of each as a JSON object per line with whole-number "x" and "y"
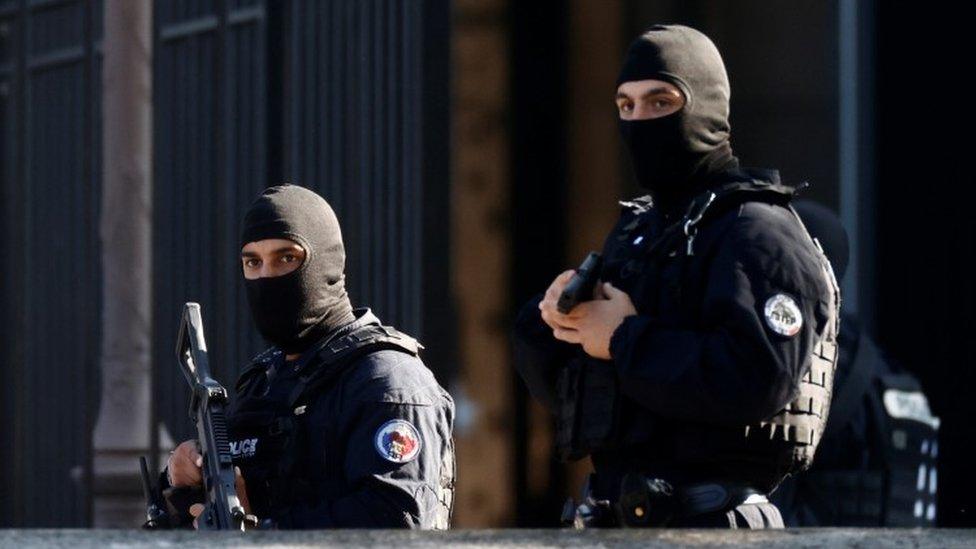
{"x": 556, "y": 288}
{"x": 598, "y": 291}
{"x": 551, "y": 297}
{"x": 612, "y": 292}
{"x": 182, "y": 465}
{"x": 241, "y": 487}
{"x": 555, "y": 319}
{"x": 195, "y": 511}
{"x": 579, "y": 312}
{"x": 196, "y": 455}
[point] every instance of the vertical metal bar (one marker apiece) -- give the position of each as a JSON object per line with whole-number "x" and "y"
{"x": 413, "y": 37}
{"x": 92, "y": 140}
{"x": 19, "y": 236}
{"x": 227, "y": 164}
{"x": 392, "y": 148}
{"x": 337, "y": 120}
{"x": 221, "y": 160}
{"x": 848, "y": 141}
{"x": 276, "y": 109}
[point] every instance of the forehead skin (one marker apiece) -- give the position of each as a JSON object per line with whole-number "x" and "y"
{"x": 269, "y": 245}
{"x": 635, "y": 89}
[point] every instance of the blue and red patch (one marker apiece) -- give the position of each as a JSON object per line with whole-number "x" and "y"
{"x": 398, "y": 441}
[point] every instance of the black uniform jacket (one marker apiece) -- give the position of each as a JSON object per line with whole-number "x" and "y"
{"x": 370, "y": 448}
{"x": 702, "y": 359}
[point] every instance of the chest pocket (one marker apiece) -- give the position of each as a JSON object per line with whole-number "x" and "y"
{"x": 625, "y": 258}
{"x": 651, "y": 277}
{"x": 267, "y": 444}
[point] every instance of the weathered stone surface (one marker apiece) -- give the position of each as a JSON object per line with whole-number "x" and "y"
{"x": 793, "y": 538}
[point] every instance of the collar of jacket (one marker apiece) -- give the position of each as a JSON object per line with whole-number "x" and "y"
{"x": 363, "y": 317}
{"x": 737, "y": 186}
{"x": 757, "y": 180}
{"x": 753, "y": 179}
{"x": 731, "y": 188}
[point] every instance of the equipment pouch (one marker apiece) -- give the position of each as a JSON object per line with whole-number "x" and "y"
{"x": 587, "y": 408}
{"x": 597, "y": 405}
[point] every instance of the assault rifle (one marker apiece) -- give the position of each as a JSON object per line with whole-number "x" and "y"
{"x": 208, "y": 401}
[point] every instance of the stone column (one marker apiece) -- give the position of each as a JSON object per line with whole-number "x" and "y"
{"x": 122, "y": 432}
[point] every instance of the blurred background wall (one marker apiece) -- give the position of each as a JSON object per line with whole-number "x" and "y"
{"x": 470, "y": 149}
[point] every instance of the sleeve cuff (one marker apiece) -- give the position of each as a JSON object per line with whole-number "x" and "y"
{"x": 618, "y": 339}
{"x": 632, "y": 327}
{"x": 530, "y": 328}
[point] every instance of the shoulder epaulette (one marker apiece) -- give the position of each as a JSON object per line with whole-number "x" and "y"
{"x": 259, "y": 363}
{"x": 339, "y": 354}
{"x": 369, "y": 338}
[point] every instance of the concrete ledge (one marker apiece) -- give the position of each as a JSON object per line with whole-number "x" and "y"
{"x": 820, "y": 537}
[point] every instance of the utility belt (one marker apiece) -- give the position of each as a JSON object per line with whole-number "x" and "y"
{"x": 646, "y": 502}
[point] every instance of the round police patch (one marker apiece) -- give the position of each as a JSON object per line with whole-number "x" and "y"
{"x": 398, "y": 441}
{"x": 783, "y": 316}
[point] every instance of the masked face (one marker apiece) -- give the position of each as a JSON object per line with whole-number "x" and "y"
{"x": 672, "y": 153}
{"x": 650, "y": 123}
{"x": 293, "y": 260}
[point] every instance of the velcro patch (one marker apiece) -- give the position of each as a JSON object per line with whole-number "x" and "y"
{"x": 783, "y": 315}
{"x": 398, "y": 441}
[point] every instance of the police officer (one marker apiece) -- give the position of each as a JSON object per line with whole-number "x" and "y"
{"x": 699, "y": 375}
{"x": 339, "y": 424}
{"x": 876, "y": 462}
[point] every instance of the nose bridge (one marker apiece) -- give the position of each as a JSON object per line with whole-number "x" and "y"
{"x": 267, "y": 269}
{"x": 642, "y": 110}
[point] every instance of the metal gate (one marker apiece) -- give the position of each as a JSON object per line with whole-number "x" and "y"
{"x": 210, "y": 138}
{"x": 348, "y": 97}
{"x": 341, "y": 96}
{"x": 49, "y": 290}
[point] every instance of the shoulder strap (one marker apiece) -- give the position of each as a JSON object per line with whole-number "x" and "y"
{"x": 711, "y": 203}
{"x": 857, "y": 384}
{"x": 258, "y": 364}
{"x": 336, "y": 357}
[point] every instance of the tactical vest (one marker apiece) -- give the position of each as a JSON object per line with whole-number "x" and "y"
{"x": 589, "y": 400}
{"x": 803, "y": 421}
{"x": 271, "y": 438}
{"x": 900, "y": 487}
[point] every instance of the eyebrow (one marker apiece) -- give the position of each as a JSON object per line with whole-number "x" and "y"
{"x": 281, "y": 250}
{"x": 650, "y": 92}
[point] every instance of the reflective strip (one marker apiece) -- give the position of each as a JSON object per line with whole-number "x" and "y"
{"x": 909, "y": 405}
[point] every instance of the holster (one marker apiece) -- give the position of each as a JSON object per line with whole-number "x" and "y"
{"x": 647, "y": 502}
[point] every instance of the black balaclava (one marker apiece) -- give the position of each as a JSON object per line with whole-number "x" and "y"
{"x": 295, "y": 310}
{"x": 676, "y": 156}
{"x": 825, "y": 226}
